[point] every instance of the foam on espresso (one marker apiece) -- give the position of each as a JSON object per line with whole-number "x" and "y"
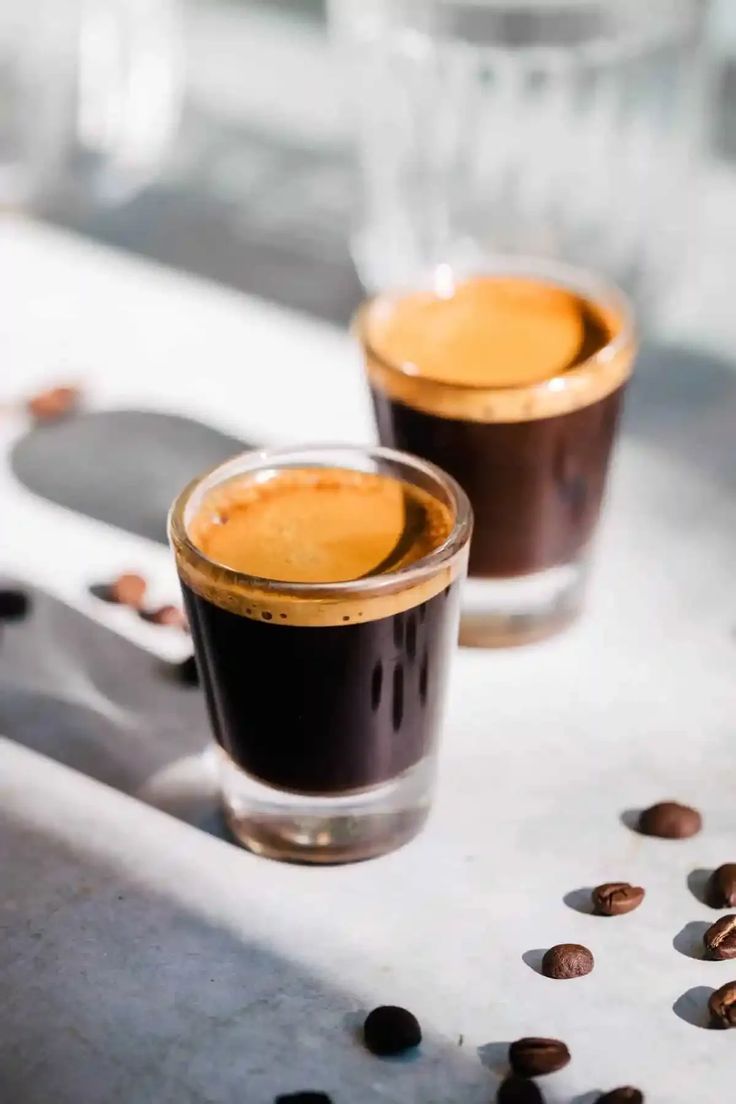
{"x": 497, "y": 348}
{"x": 317, "y": 526}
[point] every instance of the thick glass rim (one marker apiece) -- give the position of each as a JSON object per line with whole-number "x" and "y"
{"x": 254, "y": 460}
{"x": 580, "y": 281}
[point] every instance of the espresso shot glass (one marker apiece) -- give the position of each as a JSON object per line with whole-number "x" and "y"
{"x": 512, "y": 381}
{"x": 322, "y": 590}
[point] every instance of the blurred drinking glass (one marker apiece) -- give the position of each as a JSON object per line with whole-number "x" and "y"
{"x": 560, "y": 128}
{"x": 89, "y": 97}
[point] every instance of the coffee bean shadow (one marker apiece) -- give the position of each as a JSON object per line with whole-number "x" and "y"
{"x": 630, "y": 819}
{"x": 692, "y": 1006}
{"x": 86, "y": 697}
{"x": 230, "y": 1017}
{"x": 689, "y": 940}
{"x": 579, "y": 900}
{"x": 495, "y": 1057}
{"x": 697, "y": 880}
{"x": 122, "y": 467}
{"x": 682, "y": 400}
{"x": 533, "y": 959}
{"x": 354, "y": 1021}
{"x": 590, "y": 1097}
{"x": 408, "y": 1058}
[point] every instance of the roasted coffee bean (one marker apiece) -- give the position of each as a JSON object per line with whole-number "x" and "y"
{"x": 391, "y": 1030}
{"x": 517, "y": 1090}
{"x": 128, "y": 589}
{"x": 531, "y": 1057}
{"x": 669, "y": 820}
{"x": 625, "y": 1095}
{"x": 720, "y": 889}
{"x": 304, "y": 1098}
{"x": 55, "y": 403}
{"x": 722, "y": 1005}
{"x": 14, "y": 604}
{"x": 616, "y": 898}
{"x": 187, "y": 672}
{"x": 567, "y": 960}
{"x": 171, "y": 616}
{"x": 720, "y": 939}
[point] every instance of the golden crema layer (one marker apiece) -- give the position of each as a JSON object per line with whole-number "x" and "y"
{"x": 498, "y": 348}
{"x": 317, "y": 526}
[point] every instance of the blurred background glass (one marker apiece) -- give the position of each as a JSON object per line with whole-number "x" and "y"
{"x": 90, "y": 93}
{"x": 258, "y": 187}
{"x": 563, "y": 128}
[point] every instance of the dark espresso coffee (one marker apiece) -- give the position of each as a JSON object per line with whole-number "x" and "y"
{"x": 536, "y": 487}
{"x": 514, "y": 386}
{"x": 320, "y": 697}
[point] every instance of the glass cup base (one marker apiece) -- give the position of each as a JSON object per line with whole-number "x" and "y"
{"x": 502, "y": 613}
{"x": 336, "y": 829}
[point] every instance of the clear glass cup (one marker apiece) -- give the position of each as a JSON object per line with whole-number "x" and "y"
{"x": 91, "y": 97}
{"x": 325, "y": 699}
{"x": 533, "y": 458}
{"x": 560, "y": 128}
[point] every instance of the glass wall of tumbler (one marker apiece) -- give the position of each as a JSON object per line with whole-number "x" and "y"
{"x": 560, "y": 128}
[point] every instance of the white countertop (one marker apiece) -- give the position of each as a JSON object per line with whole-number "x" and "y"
{"x": 143, "y": 958}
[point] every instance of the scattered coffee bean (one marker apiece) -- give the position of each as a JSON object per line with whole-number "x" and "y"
{"x": 616, "y": 898}
{"x": 170, "y": 616}
{"x": 14, "y": 604}
{"x": 669, "y": 820}
{"x": 722, "y": 1005}
{"x": 187, "y": 672}
{"x": 720, "y": 889}
{"x": 720, "y": 939}
{"x": 54, "y": 403}
{"x": 625, "y": 1095}
{"x": 517, "y": 1090}
{"x": 531, "y": 1057}
{"x": 128, "y": 589}
{"x": 304, "y": 1098}
{"x": 391, "y": 1030}
{"x": 567, "y": 960}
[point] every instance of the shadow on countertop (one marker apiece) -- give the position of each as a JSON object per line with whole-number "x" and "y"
{"x": 85, "y": 696}
{"x": 120, "y": 989}
{"x": 123, "y": 467}
{"x": 683, "y": 401}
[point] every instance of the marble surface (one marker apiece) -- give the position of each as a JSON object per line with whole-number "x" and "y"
{"x": 145, "y": 958}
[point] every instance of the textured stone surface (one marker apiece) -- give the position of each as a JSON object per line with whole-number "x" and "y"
{"x": 142, "y": 959}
